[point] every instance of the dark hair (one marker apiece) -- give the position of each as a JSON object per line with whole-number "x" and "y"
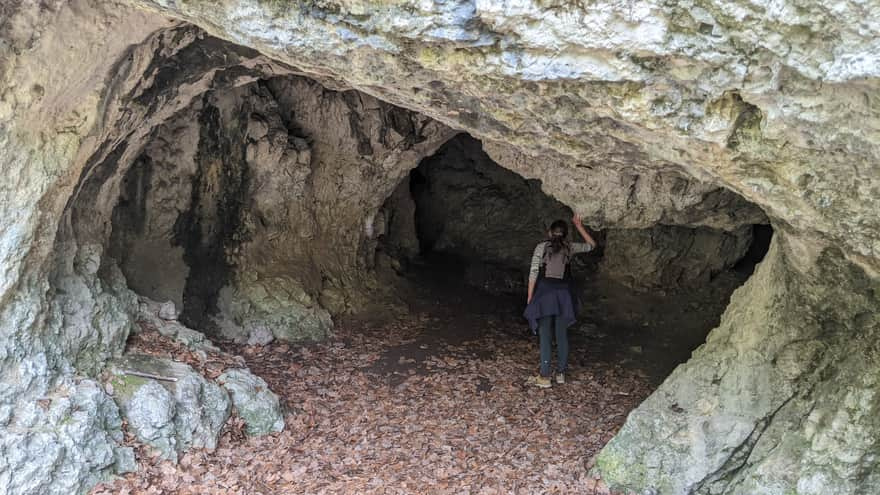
{"x": 558, "y": 232}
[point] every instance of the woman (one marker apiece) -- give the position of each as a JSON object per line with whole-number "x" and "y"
{"x": 551, "y": 303}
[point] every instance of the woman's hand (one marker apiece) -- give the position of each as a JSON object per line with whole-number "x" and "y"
{"x": 580, "y": 228}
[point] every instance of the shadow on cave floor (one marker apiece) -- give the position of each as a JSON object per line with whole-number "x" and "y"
{"x": 649, "y": 333}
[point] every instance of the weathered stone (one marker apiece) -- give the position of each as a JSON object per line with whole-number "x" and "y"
{"x": 469, "y": 205}
{"x": 150, "y": 315}
{"x": 64, "y": 444}
{"x": 173, "y": 412}
{"x": 671, "y": 257}
{"x": 743, "y": 416}
{"x": 167, "y": 311}
{"x": 255, "y": 403}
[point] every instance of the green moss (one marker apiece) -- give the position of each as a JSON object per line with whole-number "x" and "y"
{"x": 124, "y": 386}
{"x": 618, "y": 471}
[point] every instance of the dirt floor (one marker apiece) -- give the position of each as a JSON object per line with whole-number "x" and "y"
{"x": 434, "y": 400}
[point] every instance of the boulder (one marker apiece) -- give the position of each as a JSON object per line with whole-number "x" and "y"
{"x": 255, "y": 403}
{"x": 167, "y": 404}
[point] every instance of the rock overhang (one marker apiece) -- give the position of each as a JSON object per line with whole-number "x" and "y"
{"x": 699, "y": 75}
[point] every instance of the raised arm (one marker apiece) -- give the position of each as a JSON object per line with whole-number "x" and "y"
{"x": 580, "y": 228}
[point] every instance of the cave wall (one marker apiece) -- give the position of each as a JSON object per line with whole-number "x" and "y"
{"x": 233, "y": 198}
{"x": 782, "y": 397}
{"x": 777, "y": 106}
{"x": 154, "y": 192}
{"x": 775, "y": 103}
{"x": 671, "y": 257}
{"x": 489, "y": 218}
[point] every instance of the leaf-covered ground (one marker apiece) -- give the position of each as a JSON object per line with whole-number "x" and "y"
{"x": 433, "y": 399}
{"x": 392, "y": 408}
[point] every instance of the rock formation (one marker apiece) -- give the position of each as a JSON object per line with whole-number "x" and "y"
{"x": 252, "y": 144}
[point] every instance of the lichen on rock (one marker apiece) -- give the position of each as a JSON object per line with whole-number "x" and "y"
{"x": 167, "y": 404}
{"x": 63, "y": 444}
{"x": 257, "y": 405}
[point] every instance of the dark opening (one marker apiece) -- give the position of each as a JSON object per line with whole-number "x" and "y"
{"x": 477, "y": 223}
{"x": 761, "y": 237}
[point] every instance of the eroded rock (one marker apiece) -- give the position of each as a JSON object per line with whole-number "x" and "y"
{"x": 255, "y": 403}
{"x": 168, "y": 405}
{"x": 150, "y": 314}
{"x": 666, "y": 113}
{"x": 672, "y": 257}
{"x": 63, "y": 443}
{"x": 742, "y": 416}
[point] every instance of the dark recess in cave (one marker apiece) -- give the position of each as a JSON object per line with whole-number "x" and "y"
{"x": 477, "y": 223}
{"x": 761, "y": 237}
{"x": 205, "y": 247}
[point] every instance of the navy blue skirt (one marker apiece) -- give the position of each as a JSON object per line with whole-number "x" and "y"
{"x": 552, "y": 297}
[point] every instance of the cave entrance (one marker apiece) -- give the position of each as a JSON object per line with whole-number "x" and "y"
{"x": 258, "y": 211}
{"x": 462, "y": 229}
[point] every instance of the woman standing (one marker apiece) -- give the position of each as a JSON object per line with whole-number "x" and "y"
{"x": 552, "y": 305}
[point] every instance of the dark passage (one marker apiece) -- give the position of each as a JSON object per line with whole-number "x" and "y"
{"x": 476, "y": 224}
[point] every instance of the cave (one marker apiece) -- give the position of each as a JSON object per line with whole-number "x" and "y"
{"x": 463, "y": 225}
{"x": 268, "y": 247}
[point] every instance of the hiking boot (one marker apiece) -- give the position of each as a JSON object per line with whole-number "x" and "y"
{"x": 539, "y": 381}
{"x": 560, "y": 378}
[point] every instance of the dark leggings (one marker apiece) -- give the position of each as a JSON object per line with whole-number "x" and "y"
{"x": 544, "y": 330}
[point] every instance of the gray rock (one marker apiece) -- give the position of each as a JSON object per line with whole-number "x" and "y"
{"x": 151, "y": 313}
{"x": 256, "y": 404}
{"x": 167, "y": 311}
{"x": 150, "y": 412}
{"x": 64, "y": 444}
{"x": 744, "y": 416}
{"x": 172, "y": 416}
{"x": 672, "y": 257}
{"x": 635, "y": 114}
{"x": 260, "y": 335}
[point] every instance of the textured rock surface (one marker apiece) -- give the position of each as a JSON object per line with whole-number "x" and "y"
{"x": 779, "y": 398}
{"x": 255, "y": 403}
{"x": 226, "y": 197}
{"x": 469, "y": 206}
{"x": 152, "y": 314}
{"x": 172, "y": 416}
{"x": 63, "y": 444}
{"x": 633, "y": 114}
{"x": 671, "y": 257}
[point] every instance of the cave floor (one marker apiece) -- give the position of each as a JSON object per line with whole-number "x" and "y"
{"x": 433, "y": 399}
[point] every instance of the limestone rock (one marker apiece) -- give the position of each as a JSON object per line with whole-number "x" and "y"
{"x": 150, "y": 314}
{"x": 468, "y": 204}
{"x": 167, "y": 311}
{"x": 150, "y": 412}
{"x": 63, "y": 444}
{"x": 276, "y": 307}
{"x": 256, "y": 404}
{"x": 671, "y": 257}
{"x": 172, "y": 416}
{"x": 740, "y": 417}
{"x": 633, "y": 114}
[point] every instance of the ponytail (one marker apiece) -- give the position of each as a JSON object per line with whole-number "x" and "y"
{"x": 558, "y": 232}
